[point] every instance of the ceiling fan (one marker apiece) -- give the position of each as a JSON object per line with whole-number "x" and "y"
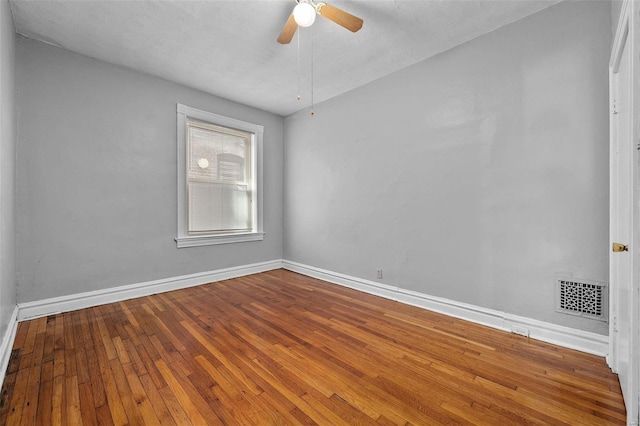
{"x": 304, "y": 15}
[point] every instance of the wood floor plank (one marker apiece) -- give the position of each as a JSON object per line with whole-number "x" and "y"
{"x": 31, "y": 336}
{"x": 103, "y": 416}
{"x": 21, "y": 335}
{"x": 87, "y": 404}
{"x": 8, "y": 387}
{"x": 148, "y": 360}
{"x": 280, "y": 348}
{"x": 129, "y": 402}
{"x": 155, "y": 399}
{"x": 97, "y": 386}
{"x": 17, "y": 401}
{"x": 45, "y": 396}
{"x": 73, "y": 401}
{"x": 174, "y": 406}
{"x": 58, "y": 409}
{"x": 31, "y": 395}
{"x": 139, "y": 396}
{"x": 194, "y": 415}
{"x": 114, "y": 401}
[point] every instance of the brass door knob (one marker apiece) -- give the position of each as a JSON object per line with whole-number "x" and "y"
{"x": 617, "y": 247}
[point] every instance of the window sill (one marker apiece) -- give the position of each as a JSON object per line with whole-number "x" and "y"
{"x": 210, "y": 240}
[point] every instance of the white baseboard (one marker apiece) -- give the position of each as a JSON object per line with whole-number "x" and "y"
{"x": 584, "y": 341}
{"x": 7, "y": 343}
{"x": 55, "y": 305}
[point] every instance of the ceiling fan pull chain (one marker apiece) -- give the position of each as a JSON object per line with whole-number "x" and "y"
{"x": 298, "y": 36}
{"x": 312, "y": 113}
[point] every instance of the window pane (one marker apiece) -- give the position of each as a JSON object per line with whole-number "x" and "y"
{"x": 215, "y": 155}
{"x": 219, "y": 207}
{"x": 235, "y": 207}
{"x": 205, "y": 207}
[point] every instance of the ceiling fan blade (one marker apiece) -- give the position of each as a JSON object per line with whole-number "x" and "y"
{"x": 340, "y": 17}
{"x": 288, "y": 31}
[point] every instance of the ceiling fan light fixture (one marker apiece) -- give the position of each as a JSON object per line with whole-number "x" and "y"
{"x": 304, "y": 14}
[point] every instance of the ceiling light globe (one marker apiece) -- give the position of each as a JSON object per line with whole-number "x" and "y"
{"x": 304, "y": 14}
{"x": 203, "y": 163}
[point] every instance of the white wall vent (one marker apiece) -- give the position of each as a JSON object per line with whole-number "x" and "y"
{"x": 589, "y": 299}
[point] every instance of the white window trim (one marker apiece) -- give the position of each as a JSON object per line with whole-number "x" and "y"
{"x": 184, "y": 239}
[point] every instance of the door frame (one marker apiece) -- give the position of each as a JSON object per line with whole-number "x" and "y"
{"x": 628, "y": 31}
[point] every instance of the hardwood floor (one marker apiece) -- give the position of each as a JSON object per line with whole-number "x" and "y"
{"x": 281, "y": 348}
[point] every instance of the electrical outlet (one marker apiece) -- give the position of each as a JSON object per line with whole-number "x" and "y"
{"x": 520, "y": 330}
{"x": 379, "y": 274}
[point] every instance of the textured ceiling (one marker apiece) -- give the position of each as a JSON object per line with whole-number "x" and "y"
{"x": 229, "y": 48}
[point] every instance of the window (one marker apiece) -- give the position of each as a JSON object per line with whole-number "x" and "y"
{"x": 219, "y": 179}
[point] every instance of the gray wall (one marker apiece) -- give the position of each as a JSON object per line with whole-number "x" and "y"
{"x": 96, "y": 176}
{"x": 476, "y": 175}
{"x": 616, "y": 8}
{"x": 7, "y": 168}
